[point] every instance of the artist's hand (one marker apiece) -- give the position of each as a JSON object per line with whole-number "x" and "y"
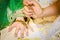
{"x": 36, "y": 10}
{"x": 27, "y": 11}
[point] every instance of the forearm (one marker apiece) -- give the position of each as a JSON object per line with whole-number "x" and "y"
{"x": 58, "y": 5}
{"x": 50, "y": 11}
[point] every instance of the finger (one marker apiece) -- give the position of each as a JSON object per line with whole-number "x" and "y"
{"x": 35, "y": 9}
{"x": 28, "y": 9}
{"x": 27, "y": 2}
{"x": 34, "y": 16}
{"x": 16, "y": 31}
{"x": 26, "y": 32}
{"x": 11, "y": 27}
{"x": 35, "y": 3}
{"x": 22, "y": 34}
{"x": 22, "y": 27}
{"x": 27, "y": 14}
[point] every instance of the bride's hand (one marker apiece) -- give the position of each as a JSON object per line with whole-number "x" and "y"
{"x": 19, "y": 27}
{"x": 22, "y": 27}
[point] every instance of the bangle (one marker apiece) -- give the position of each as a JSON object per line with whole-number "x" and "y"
{"x": 23, "y": 22}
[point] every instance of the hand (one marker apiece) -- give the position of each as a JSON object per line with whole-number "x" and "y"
{"x": 20, "y": 27}
{"x": 36, "y": 10}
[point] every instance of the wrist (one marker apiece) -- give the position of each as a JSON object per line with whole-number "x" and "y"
{"x": 20, "y": 18}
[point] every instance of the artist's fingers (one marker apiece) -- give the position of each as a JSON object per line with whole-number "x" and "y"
{"x": 28, "y": 9}
{"x": 30, "y": 2}
{"x": 27, "y": 2}
{"x": 34, "y": 16}
{"x": 34, "y": 3}
{"x": 28, "y": 14}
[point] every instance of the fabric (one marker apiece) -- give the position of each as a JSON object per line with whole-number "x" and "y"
{"x": 5, "y": 17}
{"x": 3, "y": 6}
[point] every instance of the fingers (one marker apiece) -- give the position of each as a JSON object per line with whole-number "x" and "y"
{"x": 26, "y": 32}
{"x": 27, "y": 2}
{"x": 30, "y": 2}
{"x": 20, "y": 27}
{"x": 16, "y": 31}
{"x": 22, "y": 34}
{"x": 35, "y": 3}
{"x": 11, "y": 27}
{"x": 27, "y": 11}
{"x": 34, "y": 16}
{"x": 33, "y": 8}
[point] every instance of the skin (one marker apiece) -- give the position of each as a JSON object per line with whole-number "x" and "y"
{"x": 20, "y": 27}
{"x": 34, "y": 8}
{"x": 34, "y": 11}
{"x": 38, "y": 11}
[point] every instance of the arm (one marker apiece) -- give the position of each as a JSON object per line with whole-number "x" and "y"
{"x": 48, "y": 11}
{"x": 51, "y": 10}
